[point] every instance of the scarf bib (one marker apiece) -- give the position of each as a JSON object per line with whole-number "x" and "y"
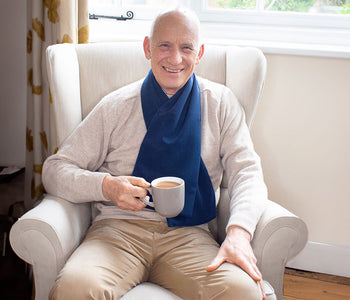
{"x": 172, "y": 147}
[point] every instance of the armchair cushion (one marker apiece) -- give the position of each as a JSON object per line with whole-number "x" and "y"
{"x": 64, "y": 72}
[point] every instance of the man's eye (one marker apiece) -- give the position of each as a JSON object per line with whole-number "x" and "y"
{"x": 164, "y": 45}
{"x": 187, "y": 48}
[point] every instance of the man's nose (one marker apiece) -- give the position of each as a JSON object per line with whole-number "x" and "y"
{"x": 175, "y": 57}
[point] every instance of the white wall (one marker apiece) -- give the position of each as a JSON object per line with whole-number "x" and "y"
{"x": 302, "y": 133}
{"x": 12, "y": 82}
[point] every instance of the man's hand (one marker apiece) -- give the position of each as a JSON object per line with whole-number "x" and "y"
{"x": 236, "y": 249}
{"x": 124, "y": 191}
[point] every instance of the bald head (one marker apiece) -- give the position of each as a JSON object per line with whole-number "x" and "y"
{"x": 175, "y": 16}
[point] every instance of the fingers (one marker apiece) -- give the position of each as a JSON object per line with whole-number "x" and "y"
{"x": 257, "y": 272}
{"x": 134, "y": 190}
{"x": 254, "y": 273}
{"x": 125, "y": 191}
{"x": 251, "y": 269}
{"x": 137, "y": 188}
{"x": 217, "y": 262}
{"x": 249, "y": 266}
{"x": 262, "y": 289}
{"x": 138, "y": 181}
{"x": 128, "y": 202}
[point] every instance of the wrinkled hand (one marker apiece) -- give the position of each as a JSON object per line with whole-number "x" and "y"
{"x": 125, "y": 191}
{"x": 236, "y": 249}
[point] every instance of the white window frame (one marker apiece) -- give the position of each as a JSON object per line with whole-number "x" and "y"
{"x": 274, "y": 32}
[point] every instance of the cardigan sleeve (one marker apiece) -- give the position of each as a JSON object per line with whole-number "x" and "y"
{"x": 241, "y": 163}
{"x": 72, "y": 173}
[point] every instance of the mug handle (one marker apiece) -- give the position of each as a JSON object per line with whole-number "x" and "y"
{"x": 145, "y": 200}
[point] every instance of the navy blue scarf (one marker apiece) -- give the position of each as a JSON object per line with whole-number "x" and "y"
{"x": 172, "y": 147}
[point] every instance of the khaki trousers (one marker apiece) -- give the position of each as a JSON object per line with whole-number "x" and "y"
{"x": 116, "y": 255}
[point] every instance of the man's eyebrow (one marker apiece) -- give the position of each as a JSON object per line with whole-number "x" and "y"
{"x": 164, "y": 42}
{"x": 182, "y": 44}
{"x": 188, "y": 44}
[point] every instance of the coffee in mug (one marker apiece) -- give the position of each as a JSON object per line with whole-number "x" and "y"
{"x": 167, "y": 184}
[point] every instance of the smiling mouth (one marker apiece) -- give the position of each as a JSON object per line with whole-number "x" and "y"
{"x": 172, "y": 70}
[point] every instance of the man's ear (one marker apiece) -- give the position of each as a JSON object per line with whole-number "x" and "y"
{"x": 147, "y": 47}
{"x": 200, "y": 54}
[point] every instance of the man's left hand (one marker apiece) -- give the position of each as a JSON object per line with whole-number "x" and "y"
{"x": 236, "y": 249}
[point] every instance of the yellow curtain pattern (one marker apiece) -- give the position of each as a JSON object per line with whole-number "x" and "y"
{"x": 48, "y": 22}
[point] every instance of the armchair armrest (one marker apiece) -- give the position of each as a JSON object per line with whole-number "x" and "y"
{"x": 279, "y": 236}
{"x": 46, "y": 236}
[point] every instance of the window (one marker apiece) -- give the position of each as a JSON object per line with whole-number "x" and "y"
{"x": 306, "y": 13}
{"x": 143, "y": 9}
{"x": 300, "y": 6}
{"x": 292, "y": 26}
{"x": 337, "y": 7}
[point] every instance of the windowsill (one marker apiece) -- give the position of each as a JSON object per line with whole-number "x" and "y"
{"x": 289, "y": 48}
{"x": 271, "y": 40}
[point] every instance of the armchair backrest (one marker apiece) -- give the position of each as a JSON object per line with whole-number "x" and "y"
{"x": 80, "y": 75}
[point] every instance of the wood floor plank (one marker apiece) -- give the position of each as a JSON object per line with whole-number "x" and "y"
{"x": 313, "y": 289}
{"x": 318, "y": 276}
{"x": 290, "y": 298}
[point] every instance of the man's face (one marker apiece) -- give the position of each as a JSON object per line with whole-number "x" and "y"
{"x": 173, "y": 50}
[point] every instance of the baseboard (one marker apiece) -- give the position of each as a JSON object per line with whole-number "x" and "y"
{"x": 323, "y": 258}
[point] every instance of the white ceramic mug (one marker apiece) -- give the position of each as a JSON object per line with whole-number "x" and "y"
{"x": 168, "y": 195}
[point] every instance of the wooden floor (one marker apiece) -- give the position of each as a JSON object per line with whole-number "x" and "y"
{"x": 315, "y": 286}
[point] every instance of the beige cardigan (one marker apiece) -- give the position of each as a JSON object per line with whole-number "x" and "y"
{"x": 109, "y": 138}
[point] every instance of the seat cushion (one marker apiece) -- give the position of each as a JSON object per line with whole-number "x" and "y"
{"x": 151, "y": 291}
{"x": 269, "y": 291}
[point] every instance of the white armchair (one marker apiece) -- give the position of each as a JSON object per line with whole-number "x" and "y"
{"x": 79, "y": 76}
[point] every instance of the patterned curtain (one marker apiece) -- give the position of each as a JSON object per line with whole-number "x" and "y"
{"x": 48, "y": 22}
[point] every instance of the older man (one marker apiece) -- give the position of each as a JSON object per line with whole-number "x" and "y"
{"x": 170, "y": 123}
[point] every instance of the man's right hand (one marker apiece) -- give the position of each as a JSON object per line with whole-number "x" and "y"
{"x": 125, "y": 191}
